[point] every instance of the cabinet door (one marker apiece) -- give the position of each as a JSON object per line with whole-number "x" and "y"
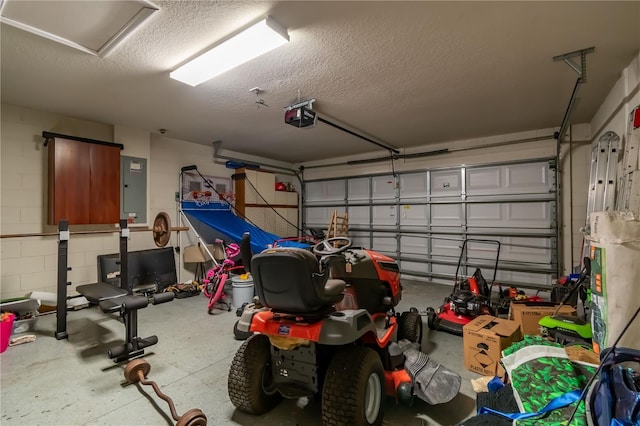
{"x": 292, "y": 198}
{"x": 84, "y": 182}
{"x": 266, "y": 186}
{"x": 69, "y": 182}
{"x": 292, "y": 217}
{"x": 282, "y": 227}
{"x": 251, "y": 181}
{"x": 105, "y": 184}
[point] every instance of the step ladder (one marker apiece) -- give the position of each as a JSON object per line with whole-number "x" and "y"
{"x": 338, "y": 226}
{"x": 602, "y": 178}
{"x": 629, "y": 184}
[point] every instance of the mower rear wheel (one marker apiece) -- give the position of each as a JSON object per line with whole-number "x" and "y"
{"x": 353, "y": 391}
{"x": 410, "y": 327}
{"x": 250, "y": 375}
{"x": 432, "y": 319}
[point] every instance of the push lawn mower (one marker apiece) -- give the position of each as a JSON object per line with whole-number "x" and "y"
{"x": 470, "y": 298}
{"x": 325, "y": 328}
{"x": 566, "y": 329}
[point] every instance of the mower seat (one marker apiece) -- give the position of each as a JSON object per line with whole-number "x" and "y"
{"x": 288, "y": 280}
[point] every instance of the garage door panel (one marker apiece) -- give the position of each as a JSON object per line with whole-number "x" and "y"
{"x": 536, "y": 250}
{"x": 509, "y": 215}
{"x": 446, "y": 183}
{"x": 414, "y": 215}
{"x": 444, "y": 270}
{"x": 445, "y": 247}
{"x": 516, "y": 249}
{"x": 524, "y": 278}
{"x": 530, "y": 214}
{"x": 314, "y": 191}
{"x": 525, "y": 178}
{"x": 385, "y": 243}
{"x": 446, "y": 214}
{"x": 358, "y": 189}
{"x": 481, "y": 214}
{"x": 325, "y": 192}
{"x": 359, "y": 215}
{"x": 384, "y": 216}
{"x": 414, "y": 245}
{"x": 317, "y": 216}
{"x": 528, "y": 178}
{"x": 421, "y": 267}
{"x": 383, "y": 188}
{"x": 413, "y": 186}
{"x": 360, "y": 239}
{"x": 486, "y": 180}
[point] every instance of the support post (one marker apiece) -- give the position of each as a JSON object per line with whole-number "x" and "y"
{"x": 61, "y": 304}
{"x": 124, "y": 257}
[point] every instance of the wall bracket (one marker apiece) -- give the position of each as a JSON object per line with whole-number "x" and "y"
{"x": 581, "y": 69}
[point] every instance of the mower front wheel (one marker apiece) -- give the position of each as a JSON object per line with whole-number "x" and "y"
{"x": 250, "y": 376}
{"x": 353, "y": 392}
{"x": 410, "y": 327}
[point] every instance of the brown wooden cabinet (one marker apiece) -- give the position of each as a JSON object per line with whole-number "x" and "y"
{"x": 259, "y": 202}
{"x": 84, "y": 180}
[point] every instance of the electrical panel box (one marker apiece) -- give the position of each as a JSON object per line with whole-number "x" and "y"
{"x": 133, "y": 189}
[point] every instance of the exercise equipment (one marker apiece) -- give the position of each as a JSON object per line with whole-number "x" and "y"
{"x": 161, "y": 231}
{"x": 110, "y": 298}
{"x": 137, "y": 370}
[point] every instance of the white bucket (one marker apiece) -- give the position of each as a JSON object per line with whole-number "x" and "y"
{"x": 615, "y": 268}
{"x": 242, "y": 290}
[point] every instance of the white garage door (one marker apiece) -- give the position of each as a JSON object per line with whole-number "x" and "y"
{"x": 421, "y": 218}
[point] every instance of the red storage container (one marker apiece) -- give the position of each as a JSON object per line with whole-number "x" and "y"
{"x": 6, "y": 327}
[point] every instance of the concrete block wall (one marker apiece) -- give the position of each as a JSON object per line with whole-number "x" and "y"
{"x": 30, "y": 264}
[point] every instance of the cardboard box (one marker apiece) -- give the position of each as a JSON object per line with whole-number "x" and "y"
{"x": 527, "y": 314}
{"x": 484, "y": 338}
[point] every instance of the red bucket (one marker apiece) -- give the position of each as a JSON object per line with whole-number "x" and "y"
{"x": 6, "y": 326}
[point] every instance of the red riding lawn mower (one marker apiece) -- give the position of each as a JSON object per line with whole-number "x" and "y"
{"x": 327, "y": 328}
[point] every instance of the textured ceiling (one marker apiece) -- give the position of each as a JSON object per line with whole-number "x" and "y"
{"x": 407, "y": 73}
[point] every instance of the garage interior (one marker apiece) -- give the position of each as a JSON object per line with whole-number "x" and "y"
{"x": 427, "y": 124}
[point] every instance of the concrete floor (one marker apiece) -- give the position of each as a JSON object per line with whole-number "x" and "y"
{"x": 51, "y": 382}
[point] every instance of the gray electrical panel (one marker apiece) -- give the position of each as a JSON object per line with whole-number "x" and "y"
{"x": 133, "y": 189}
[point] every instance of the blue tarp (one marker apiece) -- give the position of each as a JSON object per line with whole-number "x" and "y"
{"x": 221, "y": 219}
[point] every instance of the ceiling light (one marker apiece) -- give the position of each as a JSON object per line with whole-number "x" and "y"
{"x": 259, "y": 38}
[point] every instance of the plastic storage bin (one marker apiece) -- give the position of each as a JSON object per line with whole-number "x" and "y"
{"x": 6, "y": 328}
{"x": 26, "y": 311}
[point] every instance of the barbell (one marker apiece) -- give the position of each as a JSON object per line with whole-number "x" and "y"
{"x": 161, "y": 230}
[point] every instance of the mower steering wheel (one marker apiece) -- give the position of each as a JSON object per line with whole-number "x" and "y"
{"x": 325, "y": 247}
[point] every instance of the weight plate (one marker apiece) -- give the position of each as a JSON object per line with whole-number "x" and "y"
{"x": 132, "y": 368}
{"x": 193, "y": 417}
{"x": 162, "y": 229}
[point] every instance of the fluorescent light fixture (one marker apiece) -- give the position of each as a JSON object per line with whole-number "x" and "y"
{"x": 259, "y": 38}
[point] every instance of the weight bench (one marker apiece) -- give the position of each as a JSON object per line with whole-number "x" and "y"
{"x": 110, "y": 298}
